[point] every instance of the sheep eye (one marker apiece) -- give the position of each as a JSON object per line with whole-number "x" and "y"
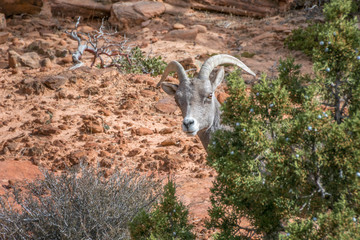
{"x": 210, "y": 96}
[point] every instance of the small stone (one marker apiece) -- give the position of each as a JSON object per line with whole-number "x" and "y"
{"x": 93, "y": 128}
{"x": 199, "y": 28}
{"x": 146, "y": 23}
{"x": 166, "y": 131}
{"x": 105, "y": 112}
{"x": 147, "y": 93}
{"x": 151, "y": 83}
{"x": 63, "y": 127}
{"x": 105, "y": 163}
{"x": 13, "y": 58}
{"x": 45, "y": 130}
{"x": 134, "y": 152}
{"x": 178, "y": 26}
{"x": 30, "y": 59}
{"x": 154, "y": 39}
{"x": 78, "y": 156}
{"x": 46, "y": 63}
{"x": 168, "y": 142}
{"x": 93, "y": 90}
{"x": 188, "y": 63}
{"x": 143, "y": 131}
{"x": 166, "y": 105}
{"x": 65, "y": 60}
{"x": 12, "y": 146}
{"x": 61, "y": 53}
{"x": 55, "y": 82}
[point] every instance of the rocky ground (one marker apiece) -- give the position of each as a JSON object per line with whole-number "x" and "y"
{"x": 52, "y": 117}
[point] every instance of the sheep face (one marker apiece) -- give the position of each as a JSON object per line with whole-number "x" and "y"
{"x": 196, "y": 99}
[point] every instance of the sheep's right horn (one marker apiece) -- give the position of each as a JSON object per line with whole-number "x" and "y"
{"x": 217, "y": 60}
{"x": 173, "y": 66}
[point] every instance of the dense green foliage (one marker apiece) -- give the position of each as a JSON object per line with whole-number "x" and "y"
{"x": 291, "y": 164}
{"x": 168, "y": 220}
{"x": 305, "y": 40}
{"x": 76, "y": 205}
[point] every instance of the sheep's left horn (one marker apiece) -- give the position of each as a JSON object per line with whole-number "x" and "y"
{"x": 173, "y": 66}
{"x": 217, "y": 60}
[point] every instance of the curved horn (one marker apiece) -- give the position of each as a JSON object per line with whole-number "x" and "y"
{"x": 217, "y": 60}
{"x": 172, "y": 67}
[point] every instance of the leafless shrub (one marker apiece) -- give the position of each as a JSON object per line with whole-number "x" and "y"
{"x": 99, "y": 45}
{"x": 76, "y": 205}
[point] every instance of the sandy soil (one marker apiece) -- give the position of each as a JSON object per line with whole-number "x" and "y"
{"x": 111, "y": 119}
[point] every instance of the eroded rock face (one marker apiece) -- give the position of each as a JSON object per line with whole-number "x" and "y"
{"x": 84, "y": 8}
{"x": 251, "y": 8}
{"x": 13, "y": 7}
{"x": 128, "y": 14}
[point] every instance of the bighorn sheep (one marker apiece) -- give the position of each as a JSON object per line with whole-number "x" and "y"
{"x": 196, "y": 98}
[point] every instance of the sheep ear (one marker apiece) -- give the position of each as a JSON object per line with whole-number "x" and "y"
{"x": 169, "y": 88}
{"x": 219, "y": 77}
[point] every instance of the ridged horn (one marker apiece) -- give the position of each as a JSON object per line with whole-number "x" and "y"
{"x": 217, "y": 60}
{"x": 173, "y": 66}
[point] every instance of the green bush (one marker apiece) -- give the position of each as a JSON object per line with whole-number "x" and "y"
{"x": 305, "y": 40}
{"x": 76, "y": 205}
{"x": 291, "y": 163}
{"x": 141, "y": 64}
{"x": 168, "y": 220}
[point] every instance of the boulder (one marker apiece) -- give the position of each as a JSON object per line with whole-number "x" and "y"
{"x": 84, "y": 8}
{"x": 129, "y": 14}
{"x": 14, "y": 7}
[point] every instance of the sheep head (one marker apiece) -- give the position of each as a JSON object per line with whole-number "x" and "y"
{"x": 196, "y": 96}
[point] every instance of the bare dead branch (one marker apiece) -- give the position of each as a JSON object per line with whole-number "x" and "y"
{"x": 97, "y": 44}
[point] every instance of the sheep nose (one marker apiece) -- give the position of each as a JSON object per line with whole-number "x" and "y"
{"x": 188, "y": 122}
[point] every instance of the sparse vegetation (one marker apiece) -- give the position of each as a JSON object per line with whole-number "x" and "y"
{"x": 76, "y": 205}
{"x": 141, "y": 64}
{"x": 101, "y": 45}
